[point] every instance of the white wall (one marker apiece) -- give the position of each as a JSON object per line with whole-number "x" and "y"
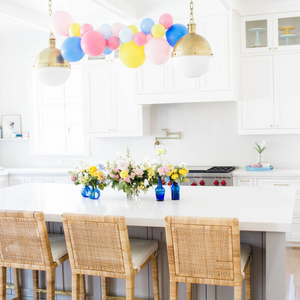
{"x": 208, "y": 130}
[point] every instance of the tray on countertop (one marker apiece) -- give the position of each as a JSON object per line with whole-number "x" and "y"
{"x": 248, "y": 168}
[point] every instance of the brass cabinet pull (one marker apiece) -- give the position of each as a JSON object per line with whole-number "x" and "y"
{"x": 281, "y": 184}
{"x": 270, "y": 48}
{"x": 275, "y": 48}
{"x": 276, "y": 125}
{"x": 49, "y": 181}
{"x": 245, "y": 180}
{"x": 271, "y": 125}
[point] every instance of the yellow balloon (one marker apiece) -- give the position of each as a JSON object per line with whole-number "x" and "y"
{"x": 131, "y": 55}
{"x": 74, "y": 29}
{"x": 158, "y": 31}
{"x": 133, "y": 28}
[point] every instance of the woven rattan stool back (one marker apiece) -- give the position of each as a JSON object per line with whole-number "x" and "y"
{"x": 204, "y": 248}
{"x": 24, "y": 241}
{"x": 98, "y": 245}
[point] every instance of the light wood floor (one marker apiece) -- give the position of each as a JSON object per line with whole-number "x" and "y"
{"x": 293, "y": 267}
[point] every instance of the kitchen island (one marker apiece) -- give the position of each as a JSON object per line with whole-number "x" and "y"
{"x": 265, "y": 215}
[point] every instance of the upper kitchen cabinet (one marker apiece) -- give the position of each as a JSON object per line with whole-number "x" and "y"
{"x": 256, "y": 34}
{"x": 163, "y": 84}
{"x": 109, "y": 107}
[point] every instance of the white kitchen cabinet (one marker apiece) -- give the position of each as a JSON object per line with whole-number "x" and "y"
{"x": 3, "y": 181}
{"x": 48, "y": 179}
{"x": 109, "y": 107}
{"x": 246, "y": 182}
{"x": 16, "y": 179}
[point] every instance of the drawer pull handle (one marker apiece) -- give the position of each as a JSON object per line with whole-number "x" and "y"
{"x": 281, "y": 184}
{"x": 49, "y": 181}
{"x": 245, "y": 180}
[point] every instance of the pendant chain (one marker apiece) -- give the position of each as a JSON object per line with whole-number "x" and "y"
{"x": 191, "y": 14}
{"x": 50, "y": 14}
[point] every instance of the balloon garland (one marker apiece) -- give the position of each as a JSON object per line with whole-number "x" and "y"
{"x": 135, "y": 46}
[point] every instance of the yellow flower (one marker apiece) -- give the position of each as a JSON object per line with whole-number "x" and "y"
{"x": 174, "y": 176}
{"x": 92, "y": 170}
{"x": 142, "y": 183}
{"x": 170, "y": 166}
{"x": 182, "y": 172}
{"x": 174, "y": 170}
{"x": 124, "y": 174}
{"x": 161, "y": 151}
{"x": 186, "y": 180}
{"x": 170, "y": 173}
{"x": 84, "y": 170}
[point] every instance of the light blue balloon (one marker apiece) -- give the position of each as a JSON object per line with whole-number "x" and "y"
{"x": 105, "y": 29}
{"x": 146, "y": 25}
{"x": 71, "y": 49}
{"x": 107, "y": 51}
{"x": 126, "y": 35}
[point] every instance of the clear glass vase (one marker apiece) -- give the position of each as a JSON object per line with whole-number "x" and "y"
{"x": 160, "y": 191}
{"x": 133, "y": 196}
{"x": 95, "y": 193}
{"x": 175, "y": 191}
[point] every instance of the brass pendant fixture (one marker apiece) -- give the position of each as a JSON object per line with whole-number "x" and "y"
{"x": 192, "y": 54}
{"x": 50, "y": 67}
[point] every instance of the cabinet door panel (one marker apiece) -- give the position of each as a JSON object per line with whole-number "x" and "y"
{"x": 215, "y": 31}
{"x": 16, "y": 180}
{"x": 257, "y": 93}
{"x": 126, "y": 112}
{"x": 97, "y": 96}
{"x": 287, "y": 90}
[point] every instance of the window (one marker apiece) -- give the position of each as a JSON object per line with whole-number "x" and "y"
{"x": 56, "y": 115}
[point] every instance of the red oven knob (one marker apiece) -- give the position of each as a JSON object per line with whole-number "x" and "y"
{"x": 193, "y": 184}
{"x": 223, "y": 182}
{"x": 201, "y": 182}
{"x": 216, "y": 182}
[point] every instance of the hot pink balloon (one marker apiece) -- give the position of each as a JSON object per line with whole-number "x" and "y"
{"x": 166, "y": 20}
{"x": 115, "y": 29}
{"x": 93, "y": 43}
{"x": 140, "y": 38}
{"x": 113, "y": 43}
{"x": 60, "y": 22}
{"x": 85, "y": 28}
{"x": 157, "y": 51}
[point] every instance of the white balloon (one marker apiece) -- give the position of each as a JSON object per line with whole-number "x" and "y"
{"x": 126, "y": 35}
{"x": 105, "y": 29}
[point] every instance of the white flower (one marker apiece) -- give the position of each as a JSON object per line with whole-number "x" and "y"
{"x": 182, "y": 165}
{"x": 146, "y": 182}
{"x": 263, "y": 144}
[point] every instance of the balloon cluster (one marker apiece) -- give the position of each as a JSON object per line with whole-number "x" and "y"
{"x": 135, "y": 46}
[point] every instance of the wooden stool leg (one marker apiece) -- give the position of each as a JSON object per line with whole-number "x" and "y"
{"x": 75, "y": 286}
{"x": 130, "y": 288}
{"x": 82, "y": 287}
{"x": 50, "y": 275}
{"x": 248, "y": 283}
{"x": 35, "y": 278}
{"x": 17, "y": 283}
{"x": 238, "y": 293}
{"x": 173, "y": 290}
{"x": 2, "y": 283}
{"x": 104, "y": 287}
{"x": 155, "y": 278}
{"x": 188, "y": 291}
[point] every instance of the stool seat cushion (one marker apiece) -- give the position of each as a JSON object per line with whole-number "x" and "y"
{"x": 141, "y": 250}
{"x": 245, "y": 253}
{"x": 58, "y": 246}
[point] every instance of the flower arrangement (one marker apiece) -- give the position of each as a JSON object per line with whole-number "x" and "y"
{"x": 260, "y": 148}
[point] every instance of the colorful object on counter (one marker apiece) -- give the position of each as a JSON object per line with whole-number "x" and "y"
{"x": 71, "y": 49}
{"x": 160, "y": 191}
{"x": 260, "y": 148}
{"x": 255, "y": 165}
{"x": 2, "y": 169}
{"x": 94, "y": 193}
{"x": 175, "y": 191}
{"x": 249, "y": 168}
{"x": 74, "y": 30}
{"x": 85, "y": 191}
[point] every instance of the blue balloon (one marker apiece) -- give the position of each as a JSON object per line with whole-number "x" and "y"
{"x": 146, "y": 25}
{"x": 107, "y": 51}
{"x": 175, "y": 32}
{"x": 105, "y": 29}
{"x": 126, "y": 35}
{"x": 71, "y": 49}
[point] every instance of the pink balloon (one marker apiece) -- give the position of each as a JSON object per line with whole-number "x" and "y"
{"x": 157, "y": 51}
{"x": 93, "y": 43}
{"x": 140, "y": 38}
{"x": 113, "y": 43}
{"x": 60, "y": 22}
{"x": 115, "y": 29}
{"x": 149, "y": 36}
{"x": 166, "y": 20}
{"x": 85, "y": 28}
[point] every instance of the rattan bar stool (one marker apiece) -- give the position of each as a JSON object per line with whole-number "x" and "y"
{"x": 25, "y": 244}
{"x": 207, "y": 251}
{"x": 100, "y": 246}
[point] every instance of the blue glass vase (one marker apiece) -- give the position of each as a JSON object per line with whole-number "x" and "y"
{"x": 160, "y": 191}
{"x": 95, "y": 193}
{"x": 85, "y": 192}
{"x": 175, "y": 191}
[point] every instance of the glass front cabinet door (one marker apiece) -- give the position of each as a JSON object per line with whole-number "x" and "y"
{"x": 286, "y": 31}
{"x": 256, "y": 34}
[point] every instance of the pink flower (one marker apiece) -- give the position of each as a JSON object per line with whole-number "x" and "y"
{"x": 73, "y": 178}
{"x": 111, "y": 175}
{"x": 139, "y": 172}
{"x": 115, "y": 170}
{"x": 132, "y": 175}
{"x": 121, "y": 179}
{"x": 127, "y": 179}
{"x": 161, "y": 171}
{"x": 123, "y": 165}
{"x": 167, "y": 169}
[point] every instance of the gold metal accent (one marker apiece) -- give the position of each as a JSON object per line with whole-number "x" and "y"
{"x": 167, "y": 136}
{"x": 271, "y": 125}
{"x": 281, "y": 184}
{"x": 245, "y": 180}
{"x": 270, "y": 48}
{"x": 191, "y": 13}
{"x": 51, "y": 57}
{"x": 276, "y": 125}
{"x": 275, "y": 48}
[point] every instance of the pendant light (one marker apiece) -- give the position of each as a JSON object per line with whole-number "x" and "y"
{"x": 50, "y": 67}
{"x": 192, "y": 54}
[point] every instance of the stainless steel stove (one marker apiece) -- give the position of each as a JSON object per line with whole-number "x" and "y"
{"x": 214, "y": 176}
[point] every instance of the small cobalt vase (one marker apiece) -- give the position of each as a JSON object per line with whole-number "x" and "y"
{"x": 85, "y": 192}
{"x": 175, "y": 191}
{"x": 160, "y": 191}
{"x": 95, "y": 193}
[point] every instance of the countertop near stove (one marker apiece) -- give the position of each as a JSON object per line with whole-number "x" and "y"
{"x": 241, "y": 172}
{"x": 258, "y": 209}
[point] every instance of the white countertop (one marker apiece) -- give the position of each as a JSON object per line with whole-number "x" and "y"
{"x": 241, "y": 172}
{"x": 34, "y": 171}
{"x": 258, "y": 209}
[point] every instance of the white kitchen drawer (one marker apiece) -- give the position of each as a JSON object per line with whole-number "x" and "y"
{"x": 47, "y": 179}
{"x": 278, "y": 182}
{"x": 244, "y": 181}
